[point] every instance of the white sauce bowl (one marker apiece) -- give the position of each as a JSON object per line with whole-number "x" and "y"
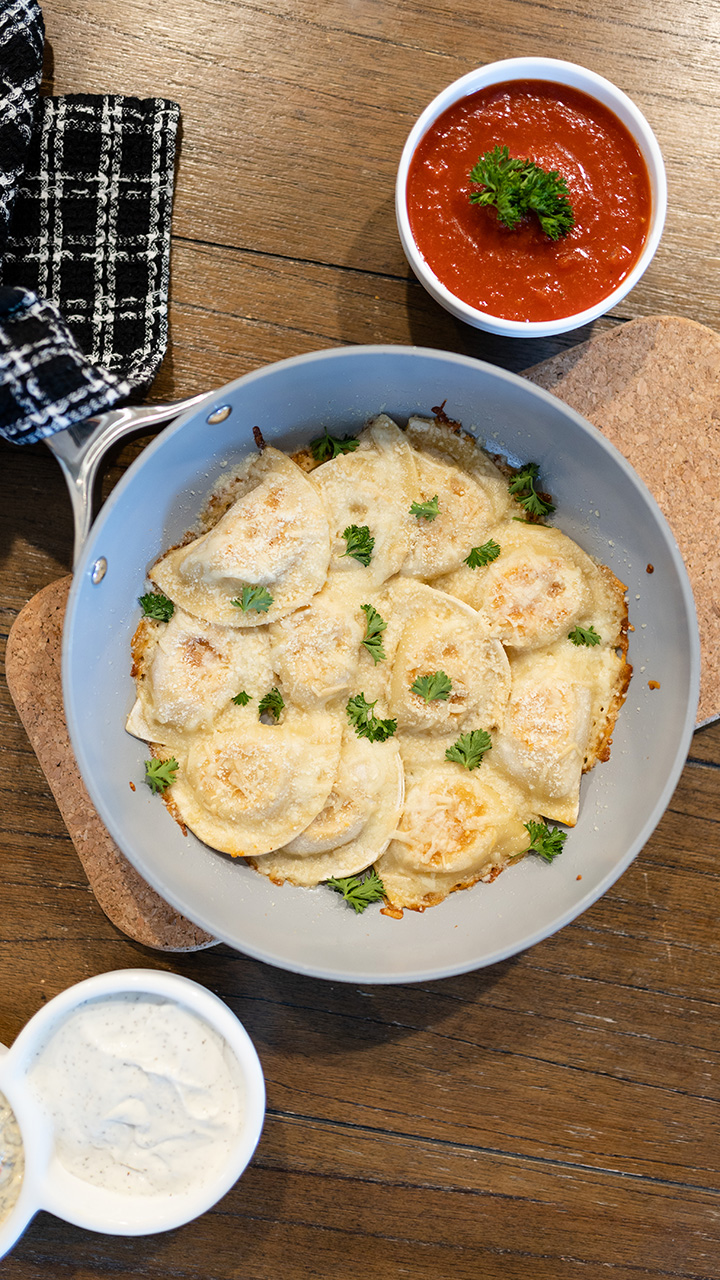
{"x": 48, "y": 1184}
{"x": 553, "y": 71}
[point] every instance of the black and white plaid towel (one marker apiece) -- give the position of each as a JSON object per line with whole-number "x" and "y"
{"x": 85, "y": 260}
{"x": 46, "y": 383}
{"x": 21, "y": 56}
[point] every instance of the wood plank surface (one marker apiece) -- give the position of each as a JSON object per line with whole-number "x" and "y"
{"x": 554, "y": 1115}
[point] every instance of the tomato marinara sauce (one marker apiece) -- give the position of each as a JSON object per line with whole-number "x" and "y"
{"x": 521, "y": 274}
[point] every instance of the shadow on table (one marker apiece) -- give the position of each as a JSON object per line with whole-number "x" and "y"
{"x": 425, "y": 323}
{"x": 295, "y": 1016}
{"x": 428, "y": 328}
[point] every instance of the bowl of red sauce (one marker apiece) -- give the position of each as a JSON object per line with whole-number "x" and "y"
{"x": 530, "y": 197}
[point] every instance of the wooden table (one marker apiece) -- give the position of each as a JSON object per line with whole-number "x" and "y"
{"x": 551, "y": 1116}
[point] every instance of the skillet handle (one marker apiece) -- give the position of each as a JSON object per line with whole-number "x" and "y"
{"x": 81, "y": 448}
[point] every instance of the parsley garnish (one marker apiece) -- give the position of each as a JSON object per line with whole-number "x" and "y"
{"x": 241, "y": 699}
{"x": 366, "y": 725}
{"x": 426, "y": 510}
{"x": 253, "y": 598}
{"x": 518, "y": 187}
{"x": 584, "y": 635}
{"x": 374, "y": 628}
{"x": 470, "y": 748}
{"x": 359, "y": 891}
{"x": 327, "y": 446}
{"x": 485, "y": 554}
{"x": 436, "y": 687}
{"x": 546, "y": 843}
{"x": 272, "y": 704}
{"x": 522, "y": 488}
{"x": 360, "y": 543}
{"x": 160, "y": 774}
{"x": 156, "y": 605}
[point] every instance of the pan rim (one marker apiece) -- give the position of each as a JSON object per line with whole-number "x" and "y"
{"x": 433, "y": 971}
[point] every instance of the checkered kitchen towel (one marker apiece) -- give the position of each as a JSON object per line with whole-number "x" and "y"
{"x": 21, "y": 55}
{"x": 85, "y": 265}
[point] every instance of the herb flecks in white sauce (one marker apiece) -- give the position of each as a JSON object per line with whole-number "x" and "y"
{"x": 145, "y": 1097}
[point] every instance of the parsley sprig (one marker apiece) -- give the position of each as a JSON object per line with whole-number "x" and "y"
{"x": 359, "y": 891}
{"x": 518, "y": 187}
{"x": 469, "y": 748}
{"x": 483, "y": 555}
{"x": 257, "y": 598}
{"x": 433, "y": 688}
{"x": 365, "y": 723}
{"x": 272, "y": 704}
{"x": 374, "y": 627}
{"x": 545, "y": 841}
{"x": 585, "y": 635}
{"x": 522, "y": 487}
{"x": 327, "y": 446}
{"x": 360, "y": 543}
{"x": 426, "y": 510}
{"x": 156, "y": 605}
{"x": 160, "y": 774}
{"x": 241, "y": 699}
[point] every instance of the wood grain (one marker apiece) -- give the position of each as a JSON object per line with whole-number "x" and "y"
{"x": 651, "y": 386}
{"x": 555, "y": 1115}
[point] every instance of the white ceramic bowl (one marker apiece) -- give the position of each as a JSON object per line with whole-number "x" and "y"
{"x": 557, "y": 72}
{"x": 601, "y": 503}
{"x": 47, "y": 1184}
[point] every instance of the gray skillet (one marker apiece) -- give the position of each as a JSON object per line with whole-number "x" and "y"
{"x": 601, "y": 502}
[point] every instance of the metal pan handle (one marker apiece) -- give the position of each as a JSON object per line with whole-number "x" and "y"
{"x": 80, "y": 450}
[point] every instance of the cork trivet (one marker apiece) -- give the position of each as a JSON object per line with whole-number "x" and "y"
{"x": 652, "y": 387}
{"x": 33, "y": 676}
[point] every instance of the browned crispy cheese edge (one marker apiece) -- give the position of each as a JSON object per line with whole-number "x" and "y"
{"x": 433, "y": 899}
{"x": 140, "y": 645}
{"x": 599, "y": 747}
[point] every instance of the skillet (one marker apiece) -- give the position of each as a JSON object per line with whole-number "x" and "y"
{"x": 601, "y": 502}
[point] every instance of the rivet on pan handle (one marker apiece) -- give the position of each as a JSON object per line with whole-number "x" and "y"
{"x": 80, "y": 450}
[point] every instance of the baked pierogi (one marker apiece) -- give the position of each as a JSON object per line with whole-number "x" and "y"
{"x": 356, "y": 823}
{"x": 274, "y": 536}
{"x": 456, "y": 828}
{"x": 316, "y": 650}
{"x": 188, "y": 670}
{"x": 372, "y": 486}
{"x": 378, "y": 661}
{"x": 471, "y": 494}
{"x": 538, "y": 588}
{"x": 429, "y": 630}
{"x": 249, "y": 787}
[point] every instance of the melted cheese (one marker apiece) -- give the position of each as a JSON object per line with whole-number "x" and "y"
{"x": 274, "y": 536}
{"x": 471, "y": 499}
{"x": 188, "y": 673}
{"x": 538, "y": 588}
{"x": 248, "y": 788}
{"x": 457, "y": 827}
{"x": 356, "y": 823}
{"x": 373, "y": 487}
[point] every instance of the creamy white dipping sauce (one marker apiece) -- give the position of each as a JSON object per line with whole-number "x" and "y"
{"x": 144, "y": 1096}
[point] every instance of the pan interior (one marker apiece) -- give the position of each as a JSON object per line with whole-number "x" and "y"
{"x": 601, "y": 503}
